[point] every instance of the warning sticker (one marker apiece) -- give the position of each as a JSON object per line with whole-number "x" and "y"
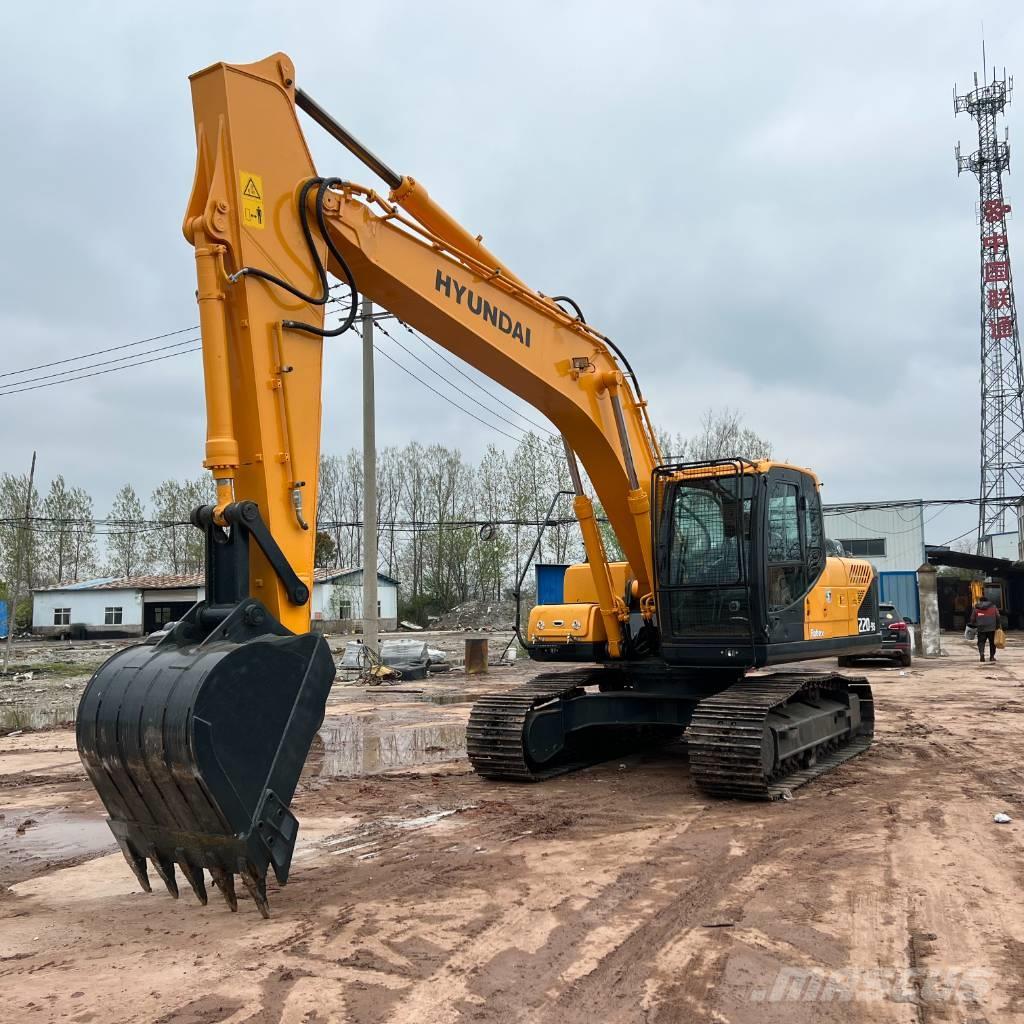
{"x": 251, "y": 186}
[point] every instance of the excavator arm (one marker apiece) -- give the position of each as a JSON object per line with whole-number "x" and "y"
{"x": 195, "y": 739}
{"x": 260, "y": 219}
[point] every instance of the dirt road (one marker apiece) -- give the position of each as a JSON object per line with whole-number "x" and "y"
{"x": 423, "y": 895}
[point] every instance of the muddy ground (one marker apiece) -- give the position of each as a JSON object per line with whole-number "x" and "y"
{"x": 420, "y": 893}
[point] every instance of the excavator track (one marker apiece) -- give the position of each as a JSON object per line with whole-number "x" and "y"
{"x": 755, "y": 740}
{"x": 494, "y": 734}
{"x": 730, "y": 736}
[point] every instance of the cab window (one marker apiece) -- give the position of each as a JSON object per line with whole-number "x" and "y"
{"x": 787, "y": 575}
{"x": 708, "y": 526}
{"x": 813, "y": 533}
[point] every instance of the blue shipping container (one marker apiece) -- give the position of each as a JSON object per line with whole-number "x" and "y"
{"x": 3, "y": 619}
{"x": 900, "y": 589}
{"x": 550, "y": 583}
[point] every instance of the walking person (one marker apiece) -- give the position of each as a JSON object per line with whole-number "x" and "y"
{"x": 985, "y": 619}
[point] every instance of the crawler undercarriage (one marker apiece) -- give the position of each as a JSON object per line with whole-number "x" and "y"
{"x": 755, "y": 739}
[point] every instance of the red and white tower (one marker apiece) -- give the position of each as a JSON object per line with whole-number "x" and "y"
{"x": 1002, "y": 380}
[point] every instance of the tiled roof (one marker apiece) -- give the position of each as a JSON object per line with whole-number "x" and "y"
{"x": 326, "y": 575}
{"x": 196, "y": 579}
{"x": 150, "y": 582}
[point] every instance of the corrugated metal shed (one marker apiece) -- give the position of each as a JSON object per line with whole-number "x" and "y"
{"x": 897, "y": 534}
{"x": 900, "y": 589}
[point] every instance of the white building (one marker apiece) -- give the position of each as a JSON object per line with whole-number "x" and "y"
{"x": 109, "y": 606}
{"x": 338, "y": 600}
{"x": 892, "y": 539}
{"x": 1003, "y": 545}
{"x": 137, "y": 605}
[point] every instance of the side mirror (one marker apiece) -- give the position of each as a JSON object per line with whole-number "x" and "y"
{"x": 909, "y": 621}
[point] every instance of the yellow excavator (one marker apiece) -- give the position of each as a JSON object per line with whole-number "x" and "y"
{"x": 195, "y": 739}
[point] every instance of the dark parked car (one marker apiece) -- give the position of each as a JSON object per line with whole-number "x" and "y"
{"x": 896, "y": 643}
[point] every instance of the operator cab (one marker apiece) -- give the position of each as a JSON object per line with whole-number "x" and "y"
{"x": 740, "y": 546}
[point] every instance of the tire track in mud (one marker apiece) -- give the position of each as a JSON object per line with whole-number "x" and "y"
{"x": 800, "y": 851}
{"x": 638, "y": 902}
{"x": 615, "y": 981}
{"x": 934, "y": 982}
{"x": 673, "y": 889}
{"x": 723, "y": 884}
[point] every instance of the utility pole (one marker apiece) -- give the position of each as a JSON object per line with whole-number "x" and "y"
{"x": 369, "y": 487}
{"x": 17, "y": 564}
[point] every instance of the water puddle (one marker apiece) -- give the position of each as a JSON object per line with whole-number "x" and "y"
{"x": 12, "y": 719}
{"x": 28, "y": 836}
{"x": 420, "y": 696}
{"x": 444, "y": 698}
{"x": 386, "y": 739}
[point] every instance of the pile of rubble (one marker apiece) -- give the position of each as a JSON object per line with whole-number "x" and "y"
{"x": 481, "y": 616}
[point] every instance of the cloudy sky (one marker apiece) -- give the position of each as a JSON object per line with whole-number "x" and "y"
{"x": 757, "y": 201}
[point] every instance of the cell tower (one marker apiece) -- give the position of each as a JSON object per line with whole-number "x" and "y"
{"x": 1002, "y": 381}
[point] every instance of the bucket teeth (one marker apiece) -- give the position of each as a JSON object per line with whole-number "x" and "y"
{"x": 193, "y": 875}
{"x": 165, "y": 869}
{"x": 225, "y": 881}
{"x": 256, "y": 883}
{"x": 136, "y": 862}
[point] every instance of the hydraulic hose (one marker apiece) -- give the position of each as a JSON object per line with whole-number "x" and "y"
{"x": 322, "y": 186}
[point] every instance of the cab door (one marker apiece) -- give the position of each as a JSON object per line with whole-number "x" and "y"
{"x": 793, "y": 551}
{"x": 705, "y": 542}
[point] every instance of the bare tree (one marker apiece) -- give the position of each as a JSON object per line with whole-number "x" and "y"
{"x": 340, "y": 504}
{"x": 413, "y": 509}
{"x": 67, "y": 548}
{"x": 492, "y": 547}
{"x": 178, "y": 547}
{"x": 389, "y": 500}
{"x": 18, "y": 545}
{"x": 82, "y": 554}
{"x": 721, "y": 435}
{"x": 129, "y": 544}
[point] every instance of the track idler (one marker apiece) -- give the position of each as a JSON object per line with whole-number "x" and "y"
{"x": 195, "y": 741}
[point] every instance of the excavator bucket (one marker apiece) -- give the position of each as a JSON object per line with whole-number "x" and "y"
{"x": 195, "y": 741}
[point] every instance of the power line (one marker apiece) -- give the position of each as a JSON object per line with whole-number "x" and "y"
{"x": 458, "y": 369}
{"x": 122, "y": 527}
{"x": 524, "y": 434}
{"x": 99, "y": 352}
{"x": 429, "y": 387}
{"x": 869, "y": 506}
{"x": 959, "y": 536}
{"x": 63, "y": 527}
{"x": 441, "y": 376}
{"x": 104, "y": 362}
{"x": 896, "y": 533}
{"x": 99, "y": 373}
{"x": 133, "y": 344}
{"x": 941, "y": 503}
